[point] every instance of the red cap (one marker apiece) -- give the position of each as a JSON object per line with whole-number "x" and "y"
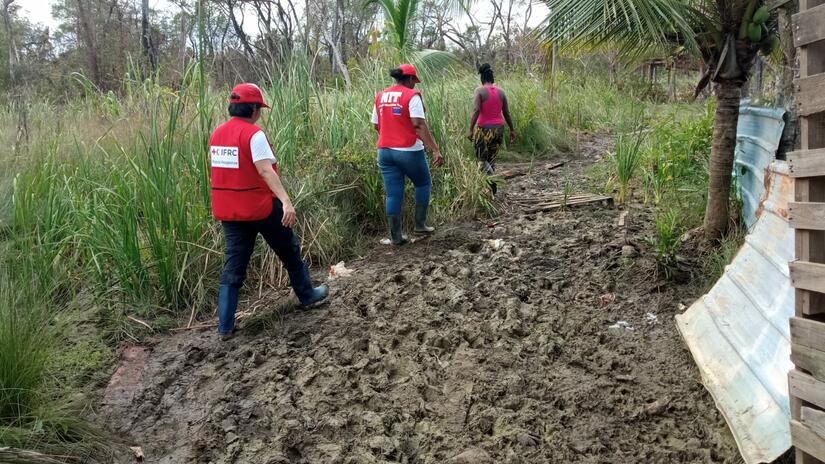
{"x": 409, "y": 70}
{"x": 247, "y": 93}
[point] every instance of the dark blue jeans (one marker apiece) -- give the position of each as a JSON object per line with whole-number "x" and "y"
{"x": 239, "y": 239}
{"x": 395, "y": 165}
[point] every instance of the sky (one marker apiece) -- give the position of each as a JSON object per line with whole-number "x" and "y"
{"x": 40, "y": 11}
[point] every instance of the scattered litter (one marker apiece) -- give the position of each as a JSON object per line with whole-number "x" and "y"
{"x": 138, "y": 452}
{"x": 651, "y": 318}
{"x": 495, "y": 244}
{"x": 339, "y": 270}
{"x": 621, "y": 325}
{"x": 628, "y": 251}
{"x": 682, "y": 307}
{"x": 623, "y": 218}
{"x": 386, "y": 241}
{"x": 606, "y": 299}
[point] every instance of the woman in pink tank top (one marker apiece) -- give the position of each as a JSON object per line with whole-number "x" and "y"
{"x": 487, "y": 123}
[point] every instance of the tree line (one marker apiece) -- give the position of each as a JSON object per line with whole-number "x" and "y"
{"x": 105, "y": 40}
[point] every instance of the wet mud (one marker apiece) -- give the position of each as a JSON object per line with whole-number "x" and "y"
{"x": 538, "y": 338}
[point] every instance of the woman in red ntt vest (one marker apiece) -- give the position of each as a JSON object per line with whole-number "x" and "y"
{"x": 249, "y": 199}
{"x": 399, "y": 118}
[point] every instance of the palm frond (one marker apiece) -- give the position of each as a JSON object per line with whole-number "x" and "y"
{"x": 636, "y": 27}
{"x": 433, "y": 62}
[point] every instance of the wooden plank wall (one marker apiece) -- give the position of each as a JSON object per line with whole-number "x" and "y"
{"x": 807, "y": 217}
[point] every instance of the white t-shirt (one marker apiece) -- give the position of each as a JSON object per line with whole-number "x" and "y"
{"x": 259, "y": 146}
{"x": 416, "y": 108}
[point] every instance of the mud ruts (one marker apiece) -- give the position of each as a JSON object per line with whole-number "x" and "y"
{"x": 453, "y": 352}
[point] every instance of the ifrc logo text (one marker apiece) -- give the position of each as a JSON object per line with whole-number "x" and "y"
{"x": 224, "y": 157}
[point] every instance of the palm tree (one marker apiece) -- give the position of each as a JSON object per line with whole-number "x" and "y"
{"x": 725, "y": 34}
{"x": 399, "y": 16}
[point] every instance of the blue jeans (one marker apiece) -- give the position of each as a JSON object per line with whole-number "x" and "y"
{"x": 239, "y": 240}
{"x": 395, "y": 165}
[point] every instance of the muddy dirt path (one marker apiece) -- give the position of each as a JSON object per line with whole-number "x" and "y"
{"x": 554, "y": 345}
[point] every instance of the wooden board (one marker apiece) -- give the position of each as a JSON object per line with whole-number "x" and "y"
{"x": 814, "y": 419}
{"x": 807, "y": 440}
{"x": 809, "y": 26}
{"x": 806, "y": 215}
{"x": 806, "y": 163}
{"x": 806, "y": 388}
{"x": 808, "y": 332}
{"x": 806, "y": 275}
{"x": 809, "y": 359}
{"x": 810, "y": 96}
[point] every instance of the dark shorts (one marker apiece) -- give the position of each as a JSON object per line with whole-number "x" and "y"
{"x": 487, "y": 140}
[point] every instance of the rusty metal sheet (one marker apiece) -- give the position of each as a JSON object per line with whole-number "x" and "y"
{"x": 738, "y": 332}
{"x": 757, "y": 139}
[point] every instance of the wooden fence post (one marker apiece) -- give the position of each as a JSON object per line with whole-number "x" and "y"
{"x": 807, "y": 216}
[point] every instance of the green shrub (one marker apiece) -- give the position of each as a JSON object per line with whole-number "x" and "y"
{"x": 626, "y": 158}
{"x": 668, "y": 235}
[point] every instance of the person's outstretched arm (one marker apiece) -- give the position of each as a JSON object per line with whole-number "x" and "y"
{"x": 505, "y": 109}
{"x": 477, "y": 101}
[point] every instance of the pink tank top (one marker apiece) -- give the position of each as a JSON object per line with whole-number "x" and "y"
{"x": 491, "y": 109}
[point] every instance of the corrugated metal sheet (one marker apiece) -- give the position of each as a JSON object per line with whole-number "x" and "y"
{"x": 738, "y": 332}
{"x": 758, "y": 134}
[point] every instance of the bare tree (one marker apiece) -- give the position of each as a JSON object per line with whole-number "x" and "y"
{"x": 238, "y": 27}
{"x": 86, "y": 32}
{"x": 14, "y": 57}
{"x": 146, "y": 37}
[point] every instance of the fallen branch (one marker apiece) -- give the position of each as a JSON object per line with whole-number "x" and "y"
{"x": 138, "y": 321}
{"x": 20, "y": 456}
{"x": 509, "y": 174}
{"x": 551, "y": 206}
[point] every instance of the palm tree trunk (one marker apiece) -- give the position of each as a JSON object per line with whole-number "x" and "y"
{"x": 721, "y": 158}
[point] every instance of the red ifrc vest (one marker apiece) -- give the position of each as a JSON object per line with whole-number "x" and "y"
{"x": 239, "y": 193}
{"x": 395, "y": 128}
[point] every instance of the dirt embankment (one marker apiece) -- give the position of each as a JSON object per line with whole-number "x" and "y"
{"x": 542, "y": 339}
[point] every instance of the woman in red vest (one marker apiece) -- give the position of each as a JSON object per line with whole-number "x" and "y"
{"x": 399, "y": 117}
{"x": 490, "y": 113}
{"x": 249, "y": 199}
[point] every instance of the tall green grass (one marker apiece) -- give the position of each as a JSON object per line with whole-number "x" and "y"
{"x": 626, "y": 158}
{"x": 35, "y": 411}
{"x": 114, "y": 196}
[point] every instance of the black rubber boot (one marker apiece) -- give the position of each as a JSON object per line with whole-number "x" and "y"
{"x": 421, "y": 226}
{"x": 396, "y": 236}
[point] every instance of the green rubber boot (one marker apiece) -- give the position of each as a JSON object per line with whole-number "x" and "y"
{"x": 396, "y": 236}
{"x": 421, "y": 226}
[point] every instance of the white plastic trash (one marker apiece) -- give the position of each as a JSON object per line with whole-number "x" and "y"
{"x": 339, "y": 270}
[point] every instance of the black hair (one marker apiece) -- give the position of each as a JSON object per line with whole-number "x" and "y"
{"x": 398, "y": 75}
{"x": 486, "y": 72}
{"x": 243, "y": 110}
